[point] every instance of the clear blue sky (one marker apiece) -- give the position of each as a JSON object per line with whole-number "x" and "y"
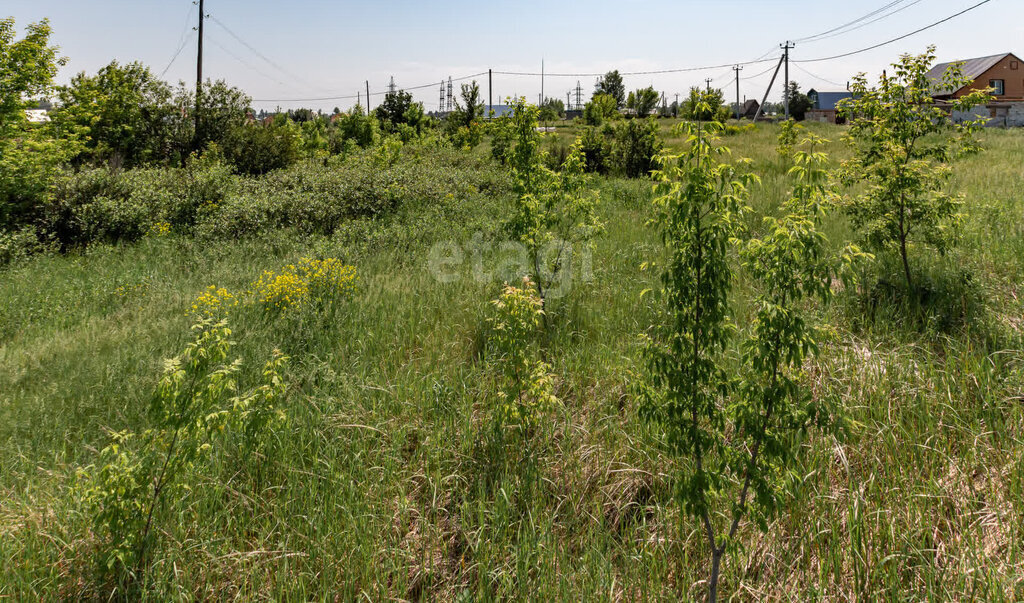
{"x": 329, "y": 47}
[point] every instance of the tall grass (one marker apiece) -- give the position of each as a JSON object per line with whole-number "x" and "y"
{"x": 388, "y": 483}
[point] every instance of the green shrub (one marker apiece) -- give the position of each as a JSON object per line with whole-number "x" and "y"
{"x": 636, "y": 144}
{"x": 196, "y": 403}
{"x": 255, "y": 150}
{"x": 596, "y": 146}
{"x": 18, "y": 244}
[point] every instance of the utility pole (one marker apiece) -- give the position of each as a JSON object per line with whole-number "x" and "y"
{"x": 199, "y": 73}
{"x": 785, "y": 85}
{"x": 676, "y": 110}
{"x": 541, "y": 82}
{"x": 708, "y": 80}
{"x": 367, "y": 97}
{"x": 737, "y": 69}
{"x": 490, "y": 96}
{"x": 760, "y": 107}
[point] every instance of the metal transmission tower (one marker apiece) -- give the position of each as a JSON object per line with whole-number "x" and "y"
{"x": 440, "y": 102}
{"x": 579, "y": 96}
{"x": 391, "y": 86}
{"x": 451, "y": 99}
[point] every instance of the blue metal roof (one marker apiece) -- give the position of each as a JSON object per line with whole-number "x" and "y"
{"x": 827, "y": 99}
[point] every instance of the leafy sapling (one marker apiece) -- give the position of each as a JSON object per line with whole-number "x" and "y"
{"x": 736, "y": 437}
{"x": 698, "y": 212}
{"x": 195, "y": 403}
{"x": 904, "y": 143}
{"x": 789, "y": 132}
{"x": 527, "y": 385}
{"x": 553, "y": 213}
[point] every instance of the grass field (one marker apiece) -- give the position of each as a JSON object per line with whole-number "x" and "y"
{"x": 386, "y": 482}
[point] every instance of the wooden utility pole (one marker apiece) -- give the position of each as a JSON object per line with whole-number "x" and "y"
{"x": 737, "y": 69}
{"x": 708, "y": 80}
{"x": 367, "y": 97}
{"x": 199, "y": 74}
{"x": 785, "y": 84}
{"x": 490, "y": 93}
{"x": 760, "y": 108}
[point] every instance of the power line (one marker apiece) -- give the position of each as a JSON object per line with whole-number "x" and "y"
{"x": 757, "y": 75}
{"x": 184, "y": 42}
{"x": 631, "y": 73}
{"x": 854, "y": 22}
{"x": 904, "y": 36}
{"x": 185, "y": 38}
{"x": 818, "y": 77}
{"x": 327, "y": 98}
{"x": 866, "y": 23}
{"x": 666, "y": 71}
{"x": 243, "y": 61}
{"x": 260, "y": 54}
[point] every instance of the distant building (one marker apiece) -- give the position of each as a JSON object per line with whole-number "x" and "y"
{"x": 749, "y": 108}
{"x": 824, "y": 106}
{"x": 1003, "y": 73}
{"x": 499, "y": 110}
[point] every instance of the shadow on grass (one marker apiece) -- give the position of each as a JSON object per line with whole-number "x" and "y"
{"x": 946, "y": 299}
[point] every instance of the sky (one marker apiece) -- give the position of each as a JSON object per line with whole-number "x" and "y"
{"x": 285, "y": 54}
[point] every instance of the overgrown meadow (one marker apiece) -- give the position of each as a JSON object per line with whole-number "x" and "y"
{"x": 387, "y": 473}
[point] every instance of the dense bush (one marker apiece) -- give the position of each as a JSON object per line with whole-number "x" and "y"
{"x": 636, "y": 144}
{"x": 254, "y": 149}
{"x": 596, "y": 145}
{"x": 111, "y": 205}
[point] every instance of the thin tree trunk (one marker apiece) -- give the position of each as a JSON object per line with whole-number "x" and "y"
{"x": 906, "y": 265}
{"x": 716, "y": 561}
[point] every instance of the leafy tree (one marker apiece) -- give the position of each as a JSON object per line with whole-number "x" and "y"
{"x": 705, "y": 105}
{"x": 552, "y": 109}
{"x": 903, "y": 146}
{"x": 601, "y": 108}
{"x": 643, "y": 101}
{"x": 799, "y": 103}
{"x": 635, "y": 147}
{"x": 353, "y": 129}
{"x": 612, "y": 85}
{"x": 30, "y": 154}
{"x": 255, "y": 149}
{"x": 736, "y": 438}
{"x": 470, "y": 107}
{"x": 222, "y": 109}
{"x": 596, "y": 146}
{"x": 27, "y": 68}
{"x": 464, "y": 122}
{"x": 126, "y": 111}
{"x": 195, "y": 405}
{"x": 392, "y": 112}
